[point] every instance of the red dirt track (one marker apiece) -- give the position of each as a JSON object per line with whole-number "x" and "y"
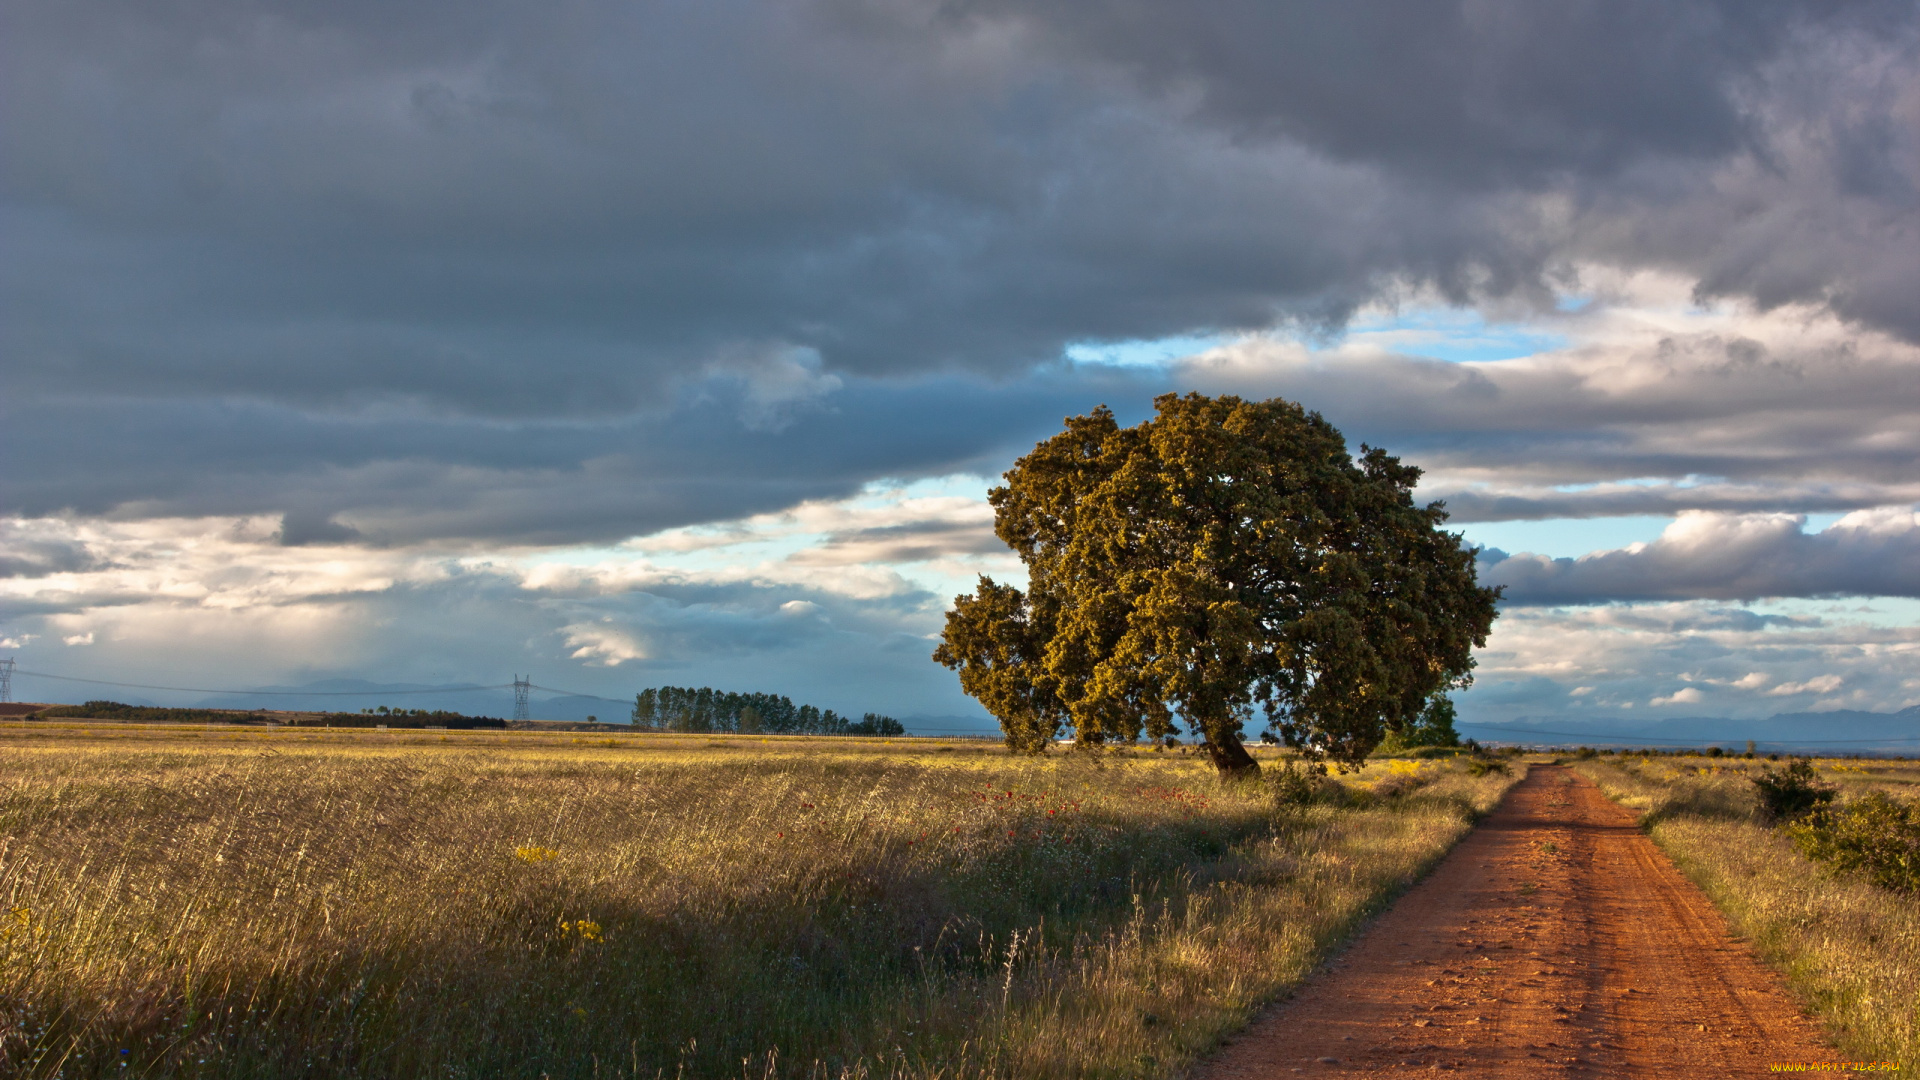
{"x": 1554, "y": 939}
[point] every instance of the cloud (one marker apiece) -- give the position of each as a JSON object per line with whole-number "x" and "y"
{"x": 1692, "y": 658}
{"x": 1641, "y": 136}
{"x": 503, "y": 216}
{"x": 364, "y": 337}
{"x": 1825, "y": 684}
{"x": 221, "y": 602}
{"x": 1689, "y": 695}
{"x": 41, "y": 548}
{"x": 1482, "y": 93}
{"x": 1704, "y": 554}
{"x": 602, "y": 644}
{"x": 399, "y": 476}
{"x": 777, "y": 382}
{"x": 419, "y": 276}
{"x": 1651, "y": 408}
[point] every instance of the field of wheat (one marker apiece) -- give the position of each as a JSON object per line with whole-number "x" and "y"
{"x": 1849, "y": 950}
{"x": 293, "y": 904}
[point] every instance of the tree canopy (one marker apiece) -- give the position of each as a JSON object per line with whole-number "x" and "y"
{"x": 1223, "y": 557}
{"x": 683, "y": 708}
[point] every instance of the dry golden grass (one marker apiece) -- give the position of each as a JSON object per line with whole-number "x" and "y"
{"x": 1849, "y": 950}
{"x": 231, "y": 903}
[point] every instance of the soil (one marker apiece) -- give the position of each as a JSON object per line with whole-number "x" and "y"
{"x": 1555, "y": 938}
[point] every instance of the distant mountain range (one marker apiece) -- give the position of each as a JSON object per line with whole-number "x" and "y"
{"x": 1840, "y": 731}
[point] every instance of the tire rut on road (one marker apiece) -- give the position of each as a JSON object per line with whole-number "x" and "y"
{"x": 1556, "y": 938}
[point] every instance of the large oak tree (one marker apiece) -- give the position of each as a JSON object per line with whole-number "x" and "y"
{"x": 1222, "y": 558}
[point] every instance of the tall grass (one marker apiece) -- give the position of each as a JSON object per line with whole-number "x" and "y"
{"x": 1851, "y": 951}
{"x": 352, "y": 908}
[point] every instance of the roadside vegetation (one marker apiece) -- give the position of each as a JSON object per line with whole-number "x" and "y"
{"x": 246, "y": 903}
{"x": 1812, "y": 861}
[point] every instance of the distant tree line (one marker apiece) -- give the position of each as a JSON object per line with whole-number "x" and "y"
{"x": 402, "y": 718}
{"x": 365, "y": 718}
{"x": 683, "y": 708}
{"x": 149, "y": 714}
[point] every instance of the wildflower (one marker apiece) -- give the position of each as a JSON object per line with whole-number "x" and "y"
{"x": 532, "y": 854}
{"x": 587, "y": 929}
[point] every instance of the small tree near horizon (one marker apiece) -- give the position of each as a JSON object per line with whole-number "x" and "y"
{"x": 1222, "y": 558}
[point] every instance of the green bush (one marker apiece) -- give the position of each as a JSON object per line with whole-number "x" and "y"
{"x": 1294, "y": 785}
{"x": 1874, "y": 835}
{"x": 1481, "y": 766}
{"x": 1792, "y": 791}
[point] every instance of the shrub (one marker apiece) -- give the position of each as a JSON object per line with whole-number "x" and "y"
{"x": 1792, "y": 791}
{"x": 1874, "y": 835}
{"x": 1402, "y": 777}
{"x": 1481, "y": 766}
{"x": 1292, "y": 785}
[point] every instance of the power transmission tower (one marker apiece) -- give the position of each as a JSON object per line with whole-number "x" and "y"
{"x": 6, "y": 679}
{"x": 520, "y": 688}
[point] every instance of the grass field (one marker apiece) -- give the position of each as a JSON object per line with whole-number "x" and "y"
{"x": 1849, "y": 950}
{"x": 247, "y": 903}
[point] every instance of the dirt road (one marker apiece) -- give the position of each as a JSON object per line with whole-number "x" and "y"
{"x": 1554, "y": 939}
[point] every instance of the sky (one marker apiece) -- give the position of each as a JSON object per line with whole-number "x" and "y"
{"x": 631, "y": 344}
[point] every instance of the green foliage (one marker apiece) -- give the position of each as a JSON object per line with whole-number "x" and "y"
{"x": 1224, "y": 557}
{"x": 709, "y": 711}
{"x": 1792, "y": 791}
{"x": 1432, "y": 729}
{"x": 1291, "y": 785}
{"x": 1483, "y": 766}
{"x": 875, "y": 724}
{"x": 1875, "y": 835}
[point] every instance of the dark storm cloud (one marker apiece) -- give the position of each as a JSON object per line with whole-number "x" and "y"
{"x": 405, "y": 477}
{"x": 580, "y": 270}
{"x": 1485, "y": 93}
{"x": 1771, "y": 148}
{"x": 27, "y": 551}
{"x": 562, "y": 213}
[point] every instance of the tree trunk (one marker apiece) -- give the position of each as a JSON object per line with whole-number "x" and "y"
{"x": 1229, "y": 756}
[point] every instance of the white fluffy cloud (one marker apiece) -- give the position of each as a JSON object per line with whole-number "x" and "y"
{"x": 775, "y": 601}
{"x": 1653, "y": 405}
{"x": 1698, "y": 658}
{"x": 1730, "y": 557}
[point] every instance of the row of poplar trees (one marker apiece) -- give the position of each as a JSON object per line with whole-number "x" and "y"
{"x": 683, "y": 708}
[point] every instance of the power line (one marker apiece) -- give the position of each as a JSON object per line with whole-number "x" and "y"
{"x": 575, "y": 693}
{"x": 520, "y": 688}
